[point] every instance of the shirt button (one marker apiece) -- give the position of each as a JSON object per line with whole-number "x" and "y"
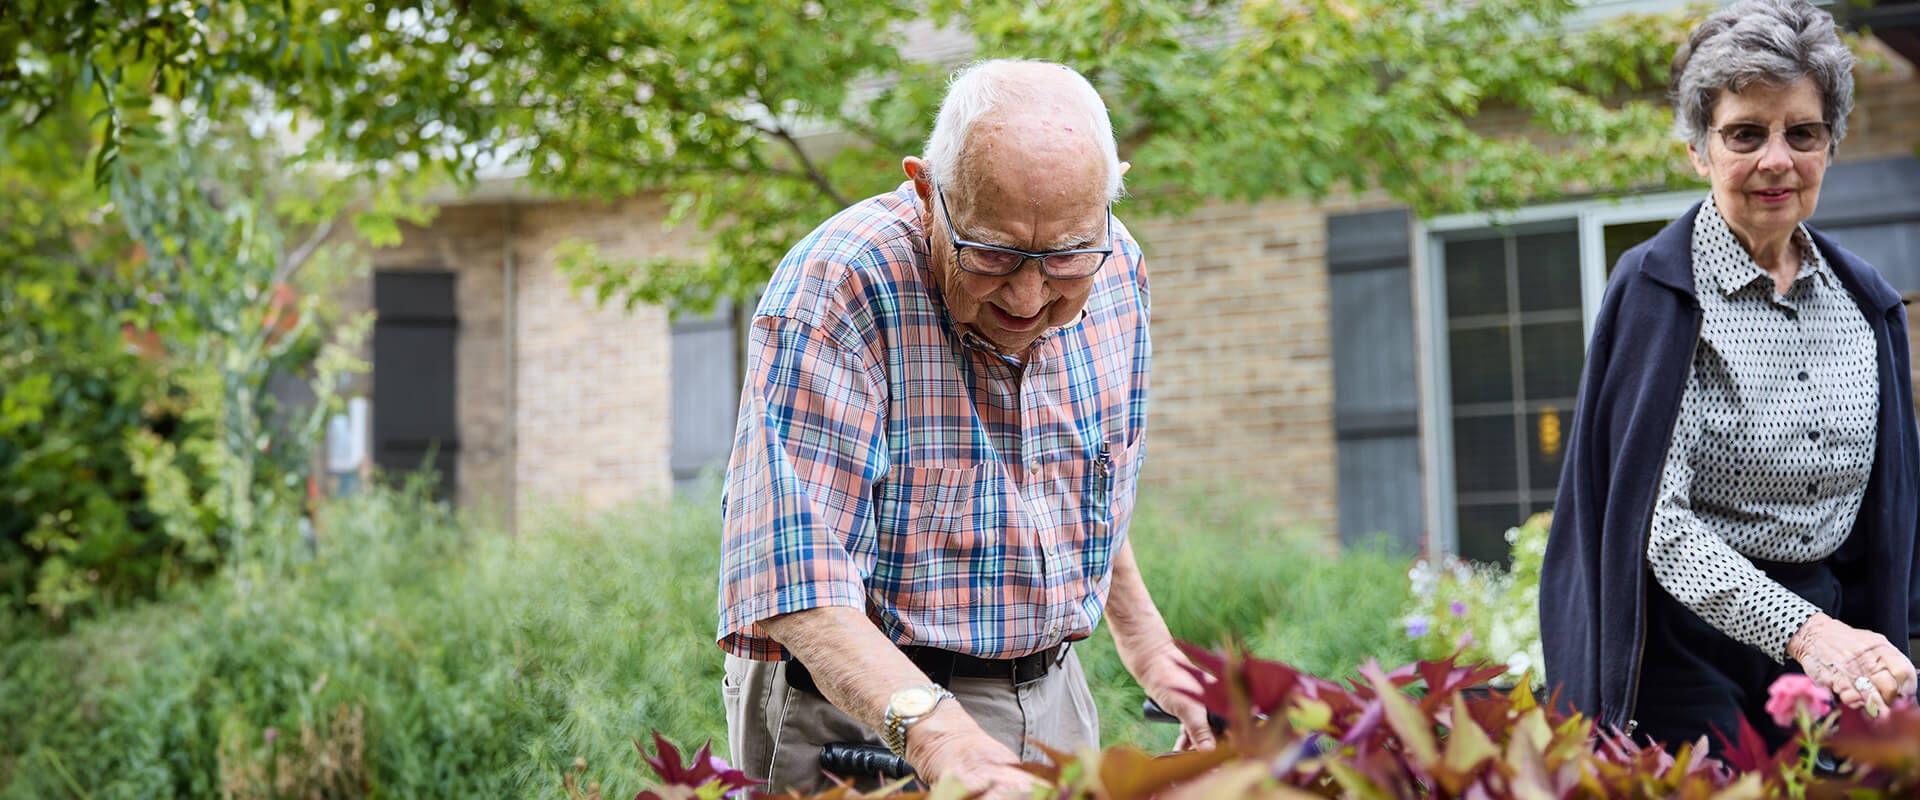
{"x": 1813, "y": 435}
{"x": 1813, "y": 487}
{"x": 1806, "y": 538}
{"x": 1033, "y": 465}
{"x": 1803, "y": 376}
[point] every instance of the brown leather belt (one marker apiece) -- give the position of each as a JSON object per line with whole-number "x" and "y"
{"x": 944, "y": 665}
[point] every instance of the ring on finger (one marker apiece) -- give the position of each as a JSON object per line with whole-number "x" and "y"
{"x": 1863, "y": 684}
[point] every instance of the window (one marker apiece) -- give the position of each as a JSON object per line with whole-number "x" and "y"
{"x": 1507, "y": 302}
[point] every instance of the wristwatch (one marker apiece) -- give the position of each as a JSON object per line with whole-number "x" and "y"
{"x": 906, "y": 707}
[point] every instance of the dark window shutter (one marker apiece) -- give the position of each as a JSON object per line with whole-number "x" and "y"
{"x": 413, "y": 375}
{"x": 1376, "y": 398}
{"x": 706, "y": 392}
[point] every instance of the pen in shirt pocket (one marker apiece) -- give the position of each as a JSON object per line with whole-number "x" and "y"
{"x": 1103, "y": 460}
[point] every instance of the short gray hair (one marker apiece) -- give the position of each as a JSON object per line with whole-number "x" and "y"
{"x": 1775, "y": 42}
{"x": 983, "y": 86}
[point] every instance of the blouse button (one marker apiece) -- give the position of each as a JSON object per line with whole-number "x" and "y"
{"x": 1803, "y": 376}
{"x": 1813, "y": 435}
{"x": 1813, "y": 487}
{"x": 1806, "y": 538}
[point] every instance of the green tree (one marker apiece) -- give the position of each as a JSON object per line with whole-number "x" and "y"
{"x": 757, "y": 120}
{"x": 141, "y": 317}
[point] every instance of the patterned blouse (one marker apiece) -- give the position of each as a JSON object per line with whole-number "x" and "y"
{"x": 1774, "y": 441}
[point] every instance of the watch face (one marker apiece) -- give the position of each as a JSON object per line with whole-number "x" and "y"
{"x": 912, "y": 702}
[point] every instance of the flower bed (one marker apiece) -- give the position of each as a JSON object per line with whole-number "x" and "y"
{"x": 1417, "y": 732}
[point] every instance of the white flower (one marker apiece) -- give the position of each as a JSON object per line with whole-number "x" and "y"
{"x": 1519, "y": 663}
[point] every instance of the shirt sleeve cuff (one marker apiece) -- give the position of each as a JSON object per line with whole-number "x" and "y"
{"x": 740, "y": 632}
{"x": 1785, "y": 613}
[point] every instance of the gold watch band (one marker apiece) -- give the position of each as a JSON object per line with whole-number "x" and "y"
{"x": 909, "y": 706}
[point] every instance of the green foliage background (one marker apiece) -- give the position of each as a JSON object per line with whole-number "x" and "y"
{"x": 483, "y": 665}
{"x": 138, "y": 441}
{"x": 757, "y": 120}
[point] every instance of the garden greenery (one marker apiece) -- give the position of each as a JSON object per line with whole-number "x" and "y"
{"x": 140, "y": 326}
{"x": 409, "y": 655}
{"x": 1485, "y": 612}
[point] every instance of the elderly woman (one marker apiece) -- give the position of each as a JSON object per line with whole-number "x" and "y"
{"x": 1739, "y": 496}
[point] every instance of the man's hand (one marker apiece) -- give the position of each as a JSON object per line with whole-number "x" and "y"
{"x": 948, "y": 743}
{"x": 1860, "y": 666}
{"x": 1165, "y": 677}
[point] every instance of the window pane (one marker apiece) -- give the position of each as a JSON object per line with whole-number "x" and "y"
{"x": 1482, "y": 368}
{"x": 1483, "y": 530}
{"x": 1476, "y": 277}
{"x": 1548, "y": 271}
{"x": 1547, "y": 433}
{"x": 1621, "y": 238}
{"x": 1483, "y": 454}
{"x": 1552, "y": 354}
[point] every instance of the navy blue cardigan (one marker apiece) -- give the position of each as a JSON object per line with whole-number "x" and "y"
{"x": 1593, "y": 586}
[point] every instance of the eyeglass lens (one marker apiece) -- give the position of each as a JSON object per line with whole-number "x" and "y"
{"x": 1747, "y": 137}
{"x": 999, "y": 262}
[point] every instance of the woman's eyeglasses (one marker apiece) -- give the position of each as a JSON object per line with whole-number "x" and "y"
{"x": 1748, "y": 137}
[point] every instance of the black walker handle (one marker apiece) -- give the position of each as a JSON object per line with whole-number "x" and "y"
{"x": 1152, "y": 712}
{"x": 851, "y": 760}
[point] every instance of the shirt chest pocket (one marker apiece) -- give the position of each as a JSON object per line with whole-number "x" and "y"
{"x": 940, "y": 540}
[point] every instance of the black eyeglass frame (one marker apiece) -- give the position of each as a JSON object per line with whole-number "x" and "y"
{"x": 960, "y": 245}
{"x": 1825, "y": 129}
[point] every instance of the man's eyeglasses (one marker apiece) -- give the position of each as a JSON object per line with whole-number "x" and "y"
{"x": 996, "y": 261}
{"x": 1748, "y": 137}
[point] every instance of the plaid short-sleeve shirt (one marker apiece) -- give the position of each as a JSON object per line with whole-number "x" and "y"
{"x": 885, "y": 461}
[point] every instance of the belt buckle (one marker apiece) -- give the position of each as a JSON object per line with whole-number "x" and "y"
{"x": 1038, "y": 664}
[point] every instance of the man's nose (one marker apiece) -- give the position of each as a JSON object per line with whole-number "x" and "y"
{"x": 1025, "y": 291}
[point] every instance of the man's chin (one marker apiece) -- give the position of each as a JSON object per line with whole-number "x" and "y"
{"x": 1008, "y": 342}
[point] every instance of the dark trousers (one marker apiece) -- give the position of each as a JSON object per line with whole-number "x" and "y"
{"x": 1696, "y": 681}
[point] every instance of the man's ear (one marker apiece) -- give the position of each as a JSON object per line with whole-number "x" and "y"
{"x": 922, "y": 177}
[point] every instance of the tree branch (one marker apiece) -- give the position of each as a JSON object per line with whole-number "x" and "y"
{"x": 812, "y": 170}
{"x": 306, "y": 249}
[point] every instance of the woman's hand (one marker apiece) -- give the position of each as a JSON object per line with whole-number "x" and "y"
{"x": 1860, "y": 666}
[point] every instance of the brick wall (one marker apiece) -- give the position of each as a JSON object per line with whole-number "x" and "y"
{"x": 1886, "y": 112}
{"x": 587, "y": 420}
{"x": 592, "y": 395}
{"x": 468, "y": 241}
{"x": 1242, "y": 384}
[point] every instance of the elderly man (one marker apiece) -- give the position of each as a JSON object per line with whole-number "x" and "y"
{"x": 934, "y": 469}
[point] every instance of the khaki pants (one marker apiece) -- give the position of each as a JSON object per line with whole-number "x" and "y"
{"x": 775, "y": 732}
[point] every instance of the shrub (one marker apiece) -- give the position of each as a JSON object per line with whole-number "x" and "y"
{"x": 447, "y": 660}
{"x": 138, "y": 330}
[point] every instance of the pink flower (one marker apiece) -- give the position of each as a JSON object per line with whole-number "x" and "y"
{"x": 1794, "y": 693}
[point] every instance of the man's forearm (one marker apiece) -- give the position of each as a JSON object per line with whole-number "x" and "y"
{"x": 858, "y": 669}
{"x": 1139, "y": 632}
{"x": 851, "y": 661}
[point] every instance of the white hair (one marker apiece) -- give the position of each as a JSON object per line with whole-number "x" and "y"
{"x": 1774, "y": 42}
{"x": 983, "y": 86}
